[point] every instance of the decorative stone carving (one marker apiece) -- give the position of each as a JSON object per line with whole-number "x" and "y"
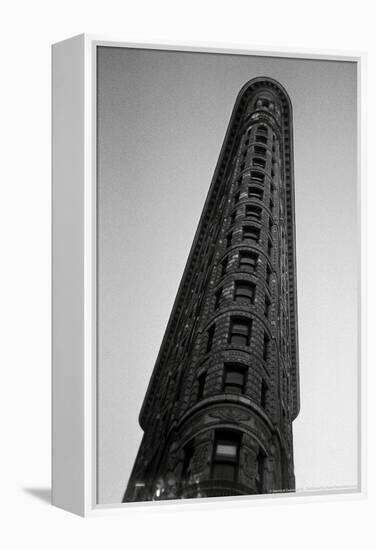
{"x": 249, "y": 465}
{"x": 231, "y": 415}
{"x": 200, "y": 459}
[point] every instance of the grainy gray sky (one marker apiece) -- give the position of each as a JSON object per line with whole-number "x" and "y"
{"x": 162, "y": 119}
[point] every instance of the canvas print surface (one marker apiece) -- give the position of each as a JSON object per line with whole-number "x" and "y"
{"x": 227, "y": 263}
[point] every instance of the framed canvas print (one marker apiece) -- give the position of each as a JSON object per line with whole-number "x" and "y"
{"x": 206, "y": 275}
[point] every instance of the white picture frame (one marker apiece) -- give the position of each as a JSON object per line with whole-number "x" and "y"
{"x": 74, "y": 286}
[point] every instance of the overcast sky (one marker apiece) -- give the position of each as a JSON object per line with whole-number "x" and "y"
{"x": 162, "y": 119}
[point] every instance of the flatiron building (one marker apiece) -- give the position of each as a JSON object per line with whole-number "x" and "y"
{"x": 218, "y": 412}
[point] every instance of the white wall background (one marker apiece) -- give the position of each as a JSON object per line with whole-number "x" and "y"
{"x": 28, "y": 29}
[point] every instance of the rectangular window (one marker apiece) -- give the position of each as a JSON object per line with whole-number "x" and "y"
{"x": 255, "y": 193}
{"x": 264, "y": 393}
{"x": 201, "y": 385}
{"x": 262, "y": 130}
{"x": 240, "y": 332}
{"x": 233, "y": 217}
{"x": 228, "y": 240}
{"x": 251, "y": 233}
{"x": 244, "y": 290}
{"x": 260, "y": 150}
{"x": 236, "y": 197}
{"x": 262, "y": 139}
{"x": 266, "y": 354}
{"x": 224, "y": 265}
{"x": 234, "y": 379}
{"x": 267, "y": 306}
{"x": 218, "y": 298}
{"x": 253, "y": 212}
{"x": 248, "y": 260}
{"x": 226, "y": 455}
{"x": 257, "y": 161}
{"x": 258, "y": 177}
{"x": 209, "y": 344}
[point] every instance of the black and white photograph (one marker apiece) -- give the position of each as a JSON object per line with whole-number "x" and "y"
{"x": 188, "y": 256}
{"x": 227, "y": 275}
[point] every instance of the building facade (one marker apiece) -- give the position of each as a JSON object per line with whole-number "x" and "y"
{"x": 217, "y": 415}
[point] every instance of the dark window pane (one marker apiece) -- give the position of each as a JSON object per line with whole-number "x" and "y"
{"x": 240, "y": 328}
{"x": 218, "y": 297}
{"x": 257, "y": 161}
{"x": 234, "y": 377}
{"x": 210, "y": 338}
{"x": 262, "y": 139}
{"x": 252, "y": 211}
{"x": 225, "y": 471}
{"x": 255, "y": 193}
{"x": 247, "y": 260}
{"x": 224, "y": 266}
{"x": 251, "y": 233}
{"x": 266, "y": 347}
{"x": 239, "y": 340}
{"x": 226, "y": 455}
{"x": 201, "y": 385}
{"x": 262, "y": 130}
{"x": 260, "y": 150}
{"x": 264, "y": 392}
{"x": 244, "y": 290}
{"x": 267, "y": 306}
{"x": 257, "y": 176}
{"x": 188, "y": 455}
{"x": 240, "y": 332}
{"x": 232, "y": 389}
